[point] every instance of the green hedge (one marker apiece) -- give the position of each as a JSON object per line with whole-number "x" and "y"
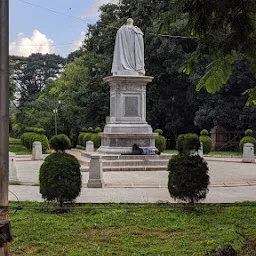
{"x": 28, "y": 138}
{"x": 35, "y": 130}
{"x": 187, "y": 142}
{"x": 90, "y": 136}
{"x": 206, "y": 141}
{"x": 60, "y": 142}
{"x": 160, "y": 142}
{"x": 14, "y": 141}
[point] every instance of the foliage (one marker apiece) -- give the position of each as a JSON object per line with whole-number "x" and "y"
{"x": 28, "y": 138}
{"x": 188, "y": 178}
{"x": 90, "y": 129}
{"x": 87, "y": 137}
{"x": 206, "y": 141}
{"x": 187, "y": 142}
{"x": 35, "y": 130}
{"x": 247, "y": 139}
{"x": 60, "y": 178}
{"x": 60, "y": 142}
{"x": 204, "y": 133}
{"x": 96, "y": 139}
{"x": 14, "y": 141}
{"x": 234, "y": 24}
{"x": 160, "y": 142}
{"x": 159, "y": 131}
{"x": 80, "y": 138}
{"x": 248, "y": 133}
{"x": 97, "y": 129}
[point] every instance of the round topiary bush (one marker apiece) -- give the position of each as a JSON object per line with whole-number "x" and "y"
{"x": 248, "y": 133}
{"x": 90, "y": 129}
{"x": 248, "y": 139}
{"x": 96, "y": 139}
{"x": 160, "y": 142}
{"x": 204, "y": 133}
{"x": 60, "y": 178}
{"x": 206, "y": 141}
{"x": 87, "y": 137}
{"x": 60, "y": 142}
{"x": 159, "y": 131}
{"x": 97, "y": 129}
{"x": 187, "y": 142}
{"x": 188, "y": 178}
{"x": 80, "y": 138}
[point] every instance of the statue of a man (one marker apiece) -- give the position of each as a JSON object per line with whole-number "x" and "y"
{"x": 129, "y": 51}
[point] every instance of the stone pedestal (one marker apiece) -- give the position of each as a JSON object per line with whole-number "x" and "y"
{"x": 37, "y": 151}
{"x": 95, "y": 172}
{"x": 12, "y": 168}
{"x": 127, "y": 124}
{"x": 89, "y": 147}
{"x": 248, "y": 153}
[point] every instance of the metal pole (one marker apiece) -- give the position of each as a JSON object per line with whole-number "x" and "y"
{"x": 55, "y": 120}
{"x": 4, "y": 113}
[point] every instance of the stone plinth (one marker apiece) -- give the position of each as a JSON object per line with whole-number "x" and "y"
{"x": 248, "y": 153}
{"x": 127, "y": 124}
{"x": 89, "y": 147}
{"x": 95, "y": 172}
{"x": 37, "y": 151}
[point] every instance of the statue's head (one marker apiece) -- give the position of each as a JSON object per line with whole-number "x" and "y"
{"x": 129, "y": 22}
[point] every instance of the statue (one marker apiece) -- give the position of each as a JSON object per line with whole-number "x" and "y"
{"x": 129, "y": 51}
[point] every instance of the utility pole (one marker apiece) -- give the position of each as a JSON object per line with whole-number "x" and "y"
{"x": 4, "y": 114}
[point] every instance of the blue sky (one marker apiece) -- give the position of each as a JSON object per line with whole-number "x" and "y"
{"x": 35, "y": 29}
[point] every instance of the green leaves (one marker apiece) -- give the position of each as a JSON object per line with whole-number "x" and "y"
{"x": 217, "y": 74}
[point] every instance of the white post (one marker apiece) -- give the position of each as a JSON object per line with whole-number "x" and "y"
{"x": 12, "y": 168}
{"x": 89, "y": 147}
{"x": 248, "y": 153}
{"x": 37, "y": 151}
{"x": 95, "y": 172}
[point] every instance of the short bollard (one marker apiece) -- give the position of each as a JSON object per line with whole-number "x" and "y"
{"x": 95, "y": 172}
{"x": 12, "y": 168}
{"x": 89, "y": 147}
{"x": 248, "y": 153}
{"x": 37, "y": 151}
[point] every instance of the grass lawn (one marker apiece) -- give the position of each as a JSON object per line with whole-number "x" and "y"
{"x": 19, "y": 149}
{"x": 213, "y": 153}
{"x": 102, "y": 230}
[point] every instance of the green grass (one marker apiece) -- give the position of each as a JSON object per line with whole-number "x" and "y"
{"x": 213, "y": 153}
{"x": 130, "y": 230}
{"x": 19, "y": 149}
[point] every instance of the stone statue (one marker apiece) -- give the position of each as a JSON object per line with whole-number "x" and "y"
{"x": 129, "y": 51}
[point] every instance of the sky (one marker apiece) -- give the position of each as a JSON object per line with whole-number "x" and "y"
{"x": 50, "y": 26}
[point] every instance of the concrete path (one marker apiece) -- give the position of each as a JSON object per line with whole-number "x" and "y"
{"x": 231, "y": 181}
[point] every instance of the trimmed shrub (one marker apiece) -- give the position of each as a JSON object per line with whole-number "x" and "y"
{"x": 187, "y": 142}
{"x": 248, "y": 139}
{"x": 60, "y": 178}
{"x": 159, "y": 131}
{"x": 28, "y": 138}
{"x": 248, "y": 133}
{"x": 97, "y": 129}
{"x": 14, "y": 141}
{"x": 160, "y": 142}
{"x": 96, "y": 140}
{"x": 35, "y": 130}
{"x": 206, "y": 141}
{"x": 90, "y": 129}
{"x": 188, "y": 178}
{"x": 80, "y": 138}
{"x": 204, "y": 133}
{"x": 60, "y": 142}
{"x": 87, "y": 137}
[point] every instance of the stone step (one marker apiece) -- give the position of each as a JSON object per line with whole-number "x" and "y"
{"x": 132, "y": 162}
{"x": 134, "y": 168}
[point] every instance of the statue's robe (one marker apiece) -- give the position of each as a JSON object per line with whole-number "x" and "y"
{"x": 129, "y": 52}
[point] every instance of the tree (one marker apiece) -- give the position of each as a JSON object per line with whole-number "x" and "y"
{"x": 30, "y": 75}
{"x": 226, "y": 31}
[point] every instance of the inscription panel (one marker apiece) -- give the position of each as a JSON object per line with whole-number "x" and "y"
{"x": 131, "y": 106}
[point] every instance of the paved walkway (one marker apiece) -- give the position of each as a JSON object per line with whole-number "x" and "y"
{"x": 231, "y": 181}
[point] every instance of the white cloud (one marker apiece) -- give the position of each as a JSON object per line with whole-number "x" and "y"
{"x": 78, "y": 43}
{"x": 93, "y": 10}
{"x": 37, "y": 43}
